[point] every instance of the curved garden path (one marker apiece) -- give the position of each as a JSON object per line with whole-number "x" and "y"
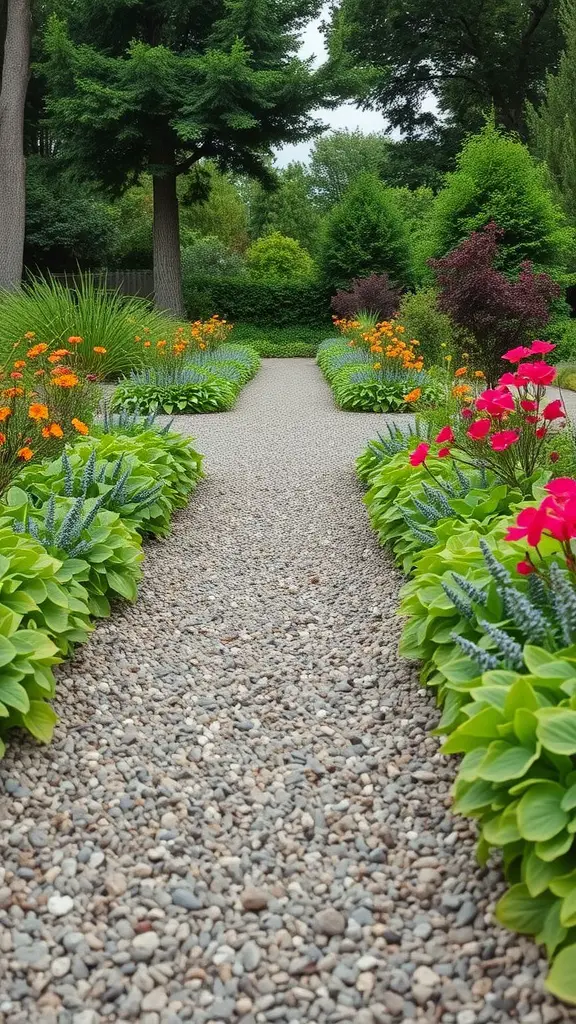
{"x": 242, "y": 817}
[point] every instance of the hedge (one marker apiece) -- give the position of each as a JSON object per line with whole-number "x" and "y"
{"x": 239, "y": 298}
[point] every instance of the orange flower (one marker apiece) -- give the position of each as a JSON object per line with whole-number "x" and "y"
{"x": 37, "y": 411}
{"x": 461, "y": 372}
{"x": 66, "y": 380}
{"x": 75, "y": 340}
{"x": 147, "y": 344}
{"x": 37, "y": 350}
{"x": 80, "y": 426}
{"x": 161, "y": 343}
{"x": 100, "y": 350}
{"x": 461, "y": 390}
{"x": 2, "y": 438}
{"x": 479, "y": 373}
{"x": 413, "y": 395}
{"x": 19, "y": 364}
{"x": 14, "y": 392}
{"x": 5, "y": 412}
{"x": 39, "y": 373}
{"x": 16, "y": 375}
{"x": 60, "y": 352}
{"x": 137, "y": 338}
{"x": 25, "y": 453}
{"x": 54, "y": 430}
{"x": 30, "y": 334}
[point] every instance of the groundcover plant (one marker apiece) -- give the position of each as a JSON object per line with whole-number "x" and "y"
{"x": 487, "y": 533}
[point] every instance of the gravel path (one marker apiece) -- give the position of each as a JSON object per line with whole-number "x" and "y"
{"x": 242, "y": 817}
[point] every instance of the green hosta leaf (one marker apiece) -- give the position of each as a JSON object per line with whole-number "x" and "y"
{"x": 502, "y": 828}
{"x": 7, "y": 651}
{"x": 564, "y": 883}
{"x": 569, "y": 800}
{"x": 538, "y": 874}
{"x": 557, "y": 730}
{"x": 520, "y": 696}
{"x": 123, "y": 585}
{"x": 525, "y": 726}
{"x": 33, "y": 641}
{"x": 553, "y": 933}
{"x": 504, "y": 761}
{"x": 523, "y": 913}
{"x": 477, "y": 796}
{"x": 40, "y": 720}
{"x": 561, "y": 980}
{"x": 14, "y": 695}
{"x": 540, "y": 814}
{"x": 550, "y": 849}
{"x": 535, "y": 657}
{"x": 470, "y": 762}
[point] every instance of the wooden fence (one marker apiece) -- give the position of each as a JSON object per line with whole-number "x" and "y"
{"x": 128, "y": 282}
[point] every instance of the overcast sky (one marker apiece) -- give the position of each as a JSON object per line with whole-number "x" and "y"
{"x": 346, "y": 116}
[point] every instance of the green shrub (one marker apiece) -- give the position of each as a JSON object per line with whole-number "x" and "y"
{"x": 278, "y": 342}
{"x": 497, "y": 180}
{"x": 215, "y": 395}
{"x": 365, "y": 234}
{"x": 208, "y": 256}
{"x": 276, "y": 257}
{"x": 265, "y": 303}
{"x": 103, "y": 319}
{"x": 422, "y": 319}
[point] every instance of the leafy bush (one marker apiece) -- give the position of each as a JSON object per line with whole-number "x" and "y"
{"x": 374, "y": 295}
{"x": 215, "y": 395}
{"x": 105, "y": 320}
{"x": 420, "y": 315}
{"x": 358, "y": 387}
{"x": 496, "y": 312}
{"x": 365, "y": 234}
{"x": 281, "y": 341}
{"x": 269, "y": 304}
{"x": 498, "y": 181}
{"x": 276, "y": 257}
{"x": 208, "y": 256}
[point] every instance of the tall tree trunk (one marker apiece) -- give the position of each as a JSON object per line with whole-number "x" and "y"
{"x": 166, "y": 241}
{"x": 15, "y": 70}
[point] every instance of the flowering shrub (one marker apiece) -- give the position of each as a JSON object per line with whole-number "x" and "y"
{"x": 505, "y": 428}
{"x": 497, "y": 312}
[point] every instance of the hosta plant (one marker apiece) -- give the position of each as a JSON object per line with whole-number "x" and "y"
{"x": 206, "y": 396}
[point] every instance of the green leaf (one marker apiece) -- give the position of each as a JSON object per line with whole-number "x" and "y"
{"x": 550, "y": 849}
{"x": 523, "y": 913}
{"x": 504, "y": 761}
{"x": 14, "y": 695}
{"x": 7, "y": 651}
{"x": 561, "y": 980}
{"x": 553, "y": 933}
{"x": 123, "y": 585}
{"x": 557, "y": 730}
{"x": 502, "y": 828}
{"x": 540, "y": 814}
{"x": 539, "y": 873}
{"x": 535, "y": 657}
{"x": 40, "y": 720}
{"x": 569, "y": 800}
{"x": 568, "y": 910}
{"x": 520, "y": 695}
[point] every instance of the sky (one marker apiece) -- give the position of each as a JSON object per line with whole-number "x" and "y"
{"x": 346, "y": 116}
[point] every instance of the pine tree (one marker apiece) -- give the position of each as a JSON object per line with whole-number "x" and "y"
{"x": 158, "y": 85}
{"x": 553, "y": 125}
{"x": 364, "y": 234}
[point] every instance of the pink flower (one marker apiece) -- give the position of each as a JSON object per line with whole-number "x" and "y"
{"x": 531, "y": 523}
{"x": 563, "y": 488}
{"x": 446, "y": 434}
{"x": 503, "y": 440}
{"x": 514, "y": 380}
{"x": 529, "y": 405}
{"x": 538, "y": 373}
{"x": 514, "y": 355}
{"x": 525, "y": 568}
{"x": 495, "y": 401}
{"x": 541, "y": 432}
{"x": 541, "y": 348}
{"x": 554, "y": 410}
{"x": 419, "y": 454}
{"x": 466, "y": 413}
{"x": 479, "y": 429}
{"x": 443, "y": 453}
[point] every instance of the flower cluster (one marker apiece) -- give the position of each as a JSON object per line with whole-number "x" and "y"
{"x": 389, "y": 350}
{"x": 505, "y": 428}
{"x": 554, "y": 517}
{"x": 200, "y": 336}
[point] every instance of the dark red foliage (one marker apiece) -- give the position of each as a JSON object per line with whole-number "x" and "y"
{"x": 375, "y": 294}
{"x": 498, "y": 313}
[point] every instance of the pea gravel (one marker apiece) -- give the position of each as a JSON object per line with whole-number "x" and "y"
{"x": 243, "y": 817}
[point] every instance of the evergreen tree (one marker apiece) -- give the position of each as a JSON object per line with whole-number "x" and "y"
{"x": 336, "y": 160}
{"x": 497, "y": 180}
{"x": 287, "y": 208}
{"x": 553, "y": 125}
{"x": 364, "y": 234}
{"x": 158, "y": 85}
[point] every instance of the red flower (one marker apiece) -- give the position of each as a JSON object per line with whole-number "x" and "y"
{"x": 443, "y": 453}
{"x": 554, "y": 410}
{"x": 495, "y": 401}
{"x": 541, "y": 432}
{"x": 479, "y": 429}
{"x": 530, "y": 524}
{"x": 466, "y": 414}
{"x": 419, "y": 454}
{"x": 541, "y": 348}
{"x": 554, "y": 456}
{"x": 529, "y": 405}
{"x": 563, "y": 488}
{"x": 515, "y": 380}
{"x": 538, "y": 373}
{"x": 446, "y": 434}
{"x": 525, "y": 568}
{"x": 514, "y": 355}
{"x": 504, "y": 439}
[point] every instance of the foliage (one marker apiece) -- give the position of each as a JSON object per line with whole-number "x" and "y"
{"x": 212, "y": 395}
{"x": 421, "y": 317}
{"x": 497, "y": 180}
{"x": 104, "y": 320}
{"x": 496, "y": 312}
{"x": 268, "y": 304}
{"x": 286, "y": 207}
{"x": 337, "y": 160}
{"x": 365, "y": 234}
{"x": 275, "y": 257}
{"x": 209, "y": 257}
{"x": 280, "y": 341}
{"x": 492, "y": 55}
{"x": 552, "y": 123}
{"x": 68, "y": 224}
{"x": 373, "y": 294}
